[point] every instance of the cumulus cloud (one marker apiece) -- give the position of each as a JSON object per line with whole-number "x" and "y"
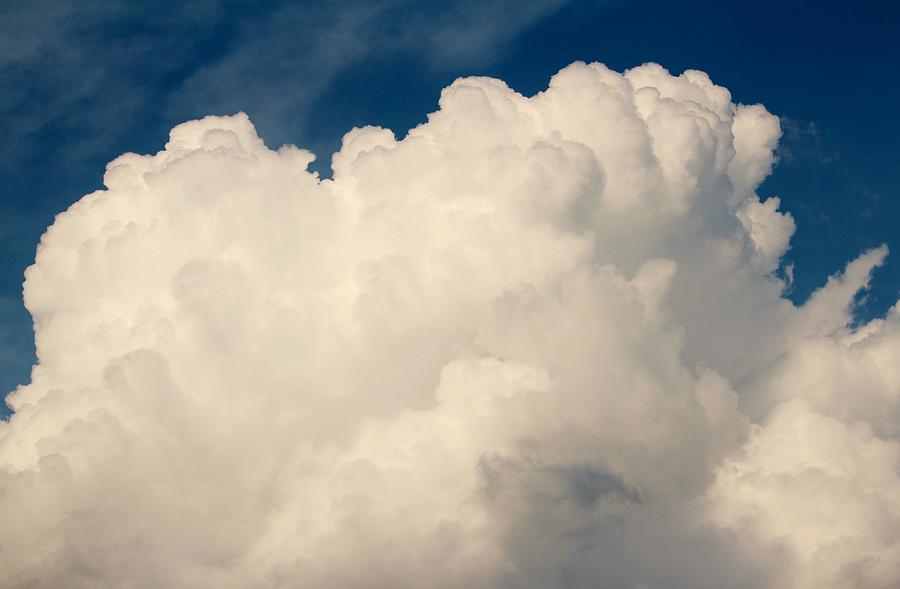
{"x": 537, "y": 342}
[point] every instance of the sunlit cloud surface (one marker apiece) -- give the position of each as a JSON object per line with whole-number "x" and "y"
{"x": 537, "y": 342}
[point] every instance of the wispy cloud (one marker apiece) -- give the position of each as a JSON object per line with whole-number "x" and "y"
{"x": 78, "y": 77}
{"x": 803, "y": 143}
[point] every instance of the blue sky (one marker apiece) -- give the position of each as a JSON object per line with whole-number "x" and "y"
{"x": 83, "y": 84}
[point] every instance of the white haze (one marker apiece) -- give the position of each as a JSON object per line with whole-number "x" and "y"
{"x": 539, "y": 342}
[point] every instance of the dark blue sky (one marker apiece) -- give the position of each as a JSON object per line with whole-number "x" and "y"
{"x": 83, "y": 82}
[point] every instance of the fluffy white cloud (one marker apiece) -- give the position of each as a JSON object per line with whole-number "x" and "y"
{"x": 538, "y": 342}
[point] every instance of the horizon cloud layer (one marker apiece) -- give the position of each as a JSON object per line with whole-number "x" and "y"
{"x": 538, "y": 342}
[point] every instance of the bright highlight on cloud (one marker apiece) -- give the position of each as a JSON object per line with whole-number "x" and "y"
{"x": 539, "y": 342}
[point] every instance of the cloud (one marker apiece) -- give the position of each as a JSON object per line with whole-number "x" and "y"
{"x": 78, "y": 75}
{"x": 537, "y": 342}
{"x": 85, "y": 82}
{"x": 81, "y": 78}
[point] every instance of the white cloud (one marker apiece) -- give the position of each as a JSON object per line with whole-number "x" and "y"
{"x": 769, "y": 230}
{"x": 537, "y": 342}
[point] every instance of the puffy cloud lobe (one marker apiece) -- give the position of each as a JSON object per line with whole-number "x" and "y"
{"x": 769, "y": 230}
{"x": 537, "y": 342}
